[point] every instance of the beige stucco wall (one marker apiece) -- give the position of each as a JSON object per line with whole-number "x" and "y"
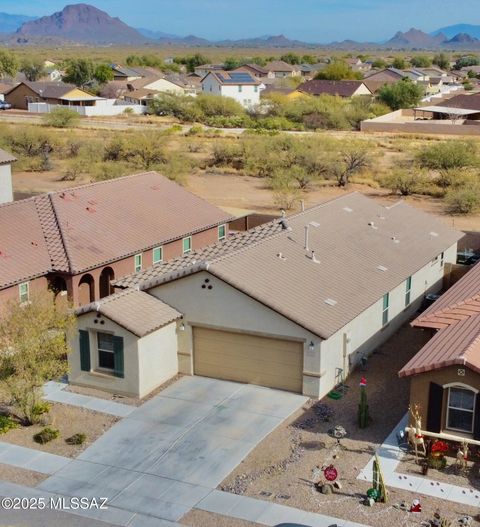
{"x": 362, "y": 335}
{"x": 224, "y": 307}
{"x": 420, "y": 386}
{"x": 158, "y": 359}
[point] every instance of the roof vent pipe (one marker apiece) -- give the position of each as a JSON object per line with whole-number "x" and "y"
{"x": 302, "y": 205}
{"x": 314, "y": 260}
{"x": 306, "y": 237}
{"x": 283, "y": 213}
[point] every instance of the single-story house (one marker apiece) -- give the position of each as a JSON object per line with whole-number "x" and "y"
{"x": 280, "y": 69}
{"x": 76, "y": 241}
{"x": 445, "y": 373}
{"x": 342, "y": 88}
{"x": 58, "y": 93}
{"x": 124, "y": 73}
{"x": 465, "y": 107}
{"x": 173, "y": 83}
{"x": 293, "y": 304}
{"x": 255, "y": 71}
{"x": 240, "y": 86}
{"x": 387, "y": 76}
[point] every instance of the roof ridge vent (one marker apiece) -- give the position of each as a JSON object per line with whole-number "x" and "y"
{"x": 280, "y": 256}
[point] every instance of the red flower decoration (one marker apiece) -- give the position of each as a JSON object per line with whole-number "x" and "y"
{"x": 439, "y": 446}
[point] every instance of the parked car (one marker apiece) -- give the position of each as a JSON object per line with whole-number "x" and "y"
{"x": 467, "y": 257}
{"x": 5, "y": 105}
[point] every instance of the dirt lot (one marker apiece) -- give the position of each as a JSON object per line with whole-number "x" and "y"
{"x": 69, "y": 420}
{"x": 21, "y": 476}
{"x": 284, "y": 467}
{"x": 198, "y": 518}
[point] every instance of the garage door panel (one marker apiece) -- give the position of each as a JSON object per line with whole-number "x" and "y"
{"x": 248, "y": 358}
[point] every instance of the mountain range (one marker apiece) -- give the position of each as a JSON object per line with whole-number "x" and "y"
{"x": 83, "y": 23}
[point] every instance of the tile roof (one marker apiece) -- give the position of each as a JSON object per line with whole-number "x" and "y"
{"x": 468, "y": 102}
{"x": 341, "y": 233}
{"x": 84, "y": 227}
{"x": 137, "y": 312}
{"x": 280, "y": 65}
{"x": 320, "y": 87}
{"x": 6, "y": 158}
{"x": 456, "y": 316}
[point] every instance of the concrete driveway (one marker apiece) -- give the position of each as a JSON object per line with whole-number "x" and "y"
{"x": 168, "y": 454}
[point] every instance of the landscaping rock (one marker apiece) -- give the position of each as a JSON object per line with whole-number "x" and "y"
{"x": 326, "y": 489}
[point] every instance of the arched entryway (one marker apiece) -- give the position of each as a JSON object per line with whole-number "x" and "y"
{"x": 106, "y": 276}
{"x": 86, "y": 289}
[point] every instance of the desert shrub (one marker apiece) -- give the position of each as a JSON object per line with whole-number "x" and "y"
{"x": 463, "y": 200}
{"x": 232, "y": 121}
{"x": 128, "y": 111}
{"x": 448, "y": 155}
{"x": 276, "y": 123}
{"x": 46, "y": 435}
{"x": 30, "y": 141}
{"x": 7, "y": 423}
{"x": 177, "y": 167}
{"x": 76, "y": 439}
{"x": 285, "y": 190}
{"x": 61, "y": 118}
{"x": 217, "y": 105}
{"x": 73, "y": 170}
{"x": 226, "y": 153}
{"x": 196, "y": 129}
{"x": 41, "y": 408}
{"x": 104, "y": 170}
{"x": 402, "y": 181}
{"x": 182, "y": 107}
{"x": 454, "y": 178}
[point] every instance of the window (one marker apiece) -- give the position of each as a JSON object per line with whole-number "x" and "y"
{"x": 24, "y": 292}
{"x": 240, "y": 88}
{"x": 442, "y": 259}
{"x": 222, "y": 234}
{"x": 106, "y": 351}
{"x": 187, "y": 244}
{"x": 255, "y": 89}
{"x": 461, "y": 407}
{"x": 408, "y": 290}
{"x": 138, "y": 262}
{"x": 386, "y": 302}
{"x": 157, "y": 255}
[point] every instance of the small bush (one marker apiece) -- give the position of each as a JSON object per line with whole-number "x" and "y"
{"x": 449, "y": 155}
{"x": 463, "y": 200}
{"x": 6, "y": 424}
{"x": 41, "y": 408}
{"x": 403, "y": 182}
{"x": 61, "y": 118}
{"x": 76, "y": 439}
{"x": 46, "y": 435}
{"x": 128, "y": 111}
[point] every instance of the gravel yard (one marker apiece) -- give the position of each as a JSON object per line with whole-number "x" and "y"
{"x": 198, "y": 518}
{"x": 285, "y": 466}
{"x": 69, "y": 420}
{"x": 20, "y": 476}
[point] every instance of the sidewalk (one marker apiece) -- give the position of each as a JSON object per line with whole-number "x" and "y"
{"x": 55, "y": 392}
{"x": 31, "y": 459}
{"x": 390, "y": 455}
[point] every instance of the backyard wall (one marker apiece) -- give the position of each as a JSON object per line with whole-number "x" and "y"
{"x": 107, "y": 107}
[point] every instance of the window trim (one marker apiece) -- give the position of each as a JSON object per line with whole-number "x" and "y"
{"x": 408, "y": 291}
{"x": 138, "y": 267}
{"x": 190, "y": 245}
{"x": 456, "y": 387}
{"x": 442, "y": 259}
{"x": 159, "y": 248}
{"x": 224, "y": 227}
{"x": 20, "y": 294}
{"x": 99, "y": 367}
{"x": 385, "y": 309}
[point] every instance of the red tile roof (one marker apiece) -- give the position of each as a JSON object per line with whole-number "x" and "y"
{"x": 456, "y": 316}
{"x": 84, "y": 227}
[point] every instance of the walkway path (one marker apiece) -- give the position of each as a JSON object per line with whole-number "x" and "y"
{"x": 55, "y": 392}
{"x": 31, "y": 459}
{"x": 390, "y": 455}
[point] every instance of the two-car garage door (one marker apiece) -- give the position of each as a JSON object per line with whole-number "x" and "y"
{"x": 248, "y": 358}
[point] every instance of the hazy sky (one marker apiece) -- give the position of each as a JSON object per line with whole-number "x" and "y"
{"x": 308, "y": 20}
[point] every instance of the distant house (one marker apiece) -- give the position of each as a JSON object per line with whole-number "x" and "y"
{"x": 461, "y": 107}
{"x": 341, "y": 88}
{"x": 173, "y": 83}
{"x": 358, "y": 66}
{"x": 4, "y": 88}
{"x": 255, "y": 71}
{"x": 123, "y": 73}
{"x": 49, "y": 92}
{"x": 202, "y": 70}
{"x": 280, "y": 69}
{"x": 445, "y": 374}
{"x": 386, "y": 76}
{"x": 310, "y": 70}
{"x": 238, "y": 85}
{"x": 76, "y": 241}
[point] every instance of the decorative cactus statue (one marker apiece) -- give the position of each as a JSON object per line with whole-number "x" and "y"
{"x": 363, "y": 406}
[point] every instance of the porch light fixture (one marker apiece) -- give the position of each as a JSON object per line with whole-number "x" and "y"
{"x": 182, "y": 326}
{"x": 311, "y": 347}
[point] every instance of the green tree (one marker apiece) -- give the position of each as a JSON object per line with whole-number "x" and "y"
{"x": 421, "y": 61}
{"x": 403, "y": 94}
{"x": 379, "y": 64}
{"x": 8, "y": 64}
{"x": 464, "y": 62}
{"x": 79, "y": 72}
{"x": 33, "y": 69}
{"x": 309, "y": 59}
{"x": 33, "y": 346}
{"x": 192, "y": 61}
{"x": 399, "y": 63}
{"x": 103, "y": 73}
{"x": 449, "y": 155}
{"x": 230, "y": 63}
{"x": 442, "y": 60}
{"x": 336, "y": 71}
{"x": 291, "y": 58}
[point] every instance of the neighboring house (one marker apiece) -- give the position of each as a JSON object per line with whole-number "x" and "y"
{"x": 340, "y": 88}
{"x": 386, "y": 76}
{"x": 280, "y": 69}
{"x": 445, "y": 373}
{"x": 255, "y": 71}
{"x": 77, "y": 240}
{"x": 202, "y": 70}
{"x": 461, "y": 107}
{"x": 238, "y": 85}
{"x": 4, "y": 88}
{"x": 357, "y": 65}
{"x": 123, "y": 73}
{"x": 173, "y": 83}
{"x": 141, "y": 96}
{"x": 310, "y": 70}
{"x": 294, "y": 304}
{"x": 49, "y": 92}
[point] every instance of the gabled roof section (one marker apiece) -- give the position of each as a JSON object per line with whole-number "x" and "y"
{"x": 281, "y": 66}
{"x": 362, "y": 250}
{"x": 136, "y": 311}
{"x": 6, "y": 158}
{"x": 342, "y": 88}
